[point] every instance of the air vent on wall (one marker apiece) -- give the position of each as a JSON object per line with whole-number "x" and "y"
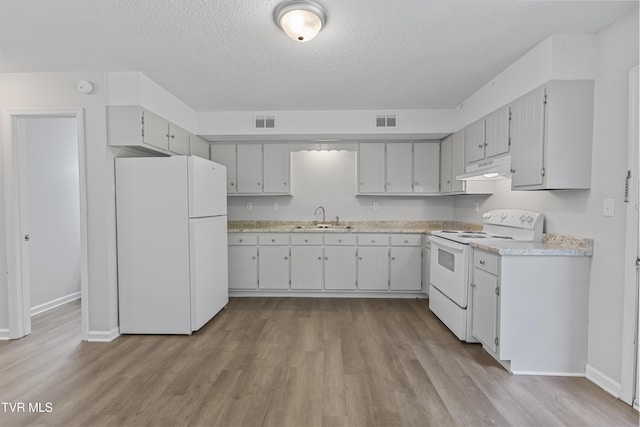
{"x": 386, "y": 121}
{"x": 265, "y": 122}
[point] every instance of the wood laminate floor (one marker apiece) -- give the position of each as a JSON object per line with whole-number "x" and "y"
{"x": 287, "y": 362}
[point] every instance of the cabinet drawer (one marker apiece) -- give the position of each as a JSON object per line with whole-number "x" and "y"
{"x": 338, "y": 239}
{"x": 306, "y": 239}
{"x": 273, "y": 239}
{"x": 373, "y": 240}
{"x": 486, "y": 261}
{"x": 406, "y": 240}
{"x": 241, "y": 239}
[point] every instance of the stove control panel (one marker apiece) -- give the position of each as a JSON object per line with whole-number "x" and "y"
{"x": 527, "y": 220}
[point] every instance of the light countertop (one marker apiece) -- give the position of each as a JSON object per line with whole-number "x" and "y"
{"x": 551, "y": 245}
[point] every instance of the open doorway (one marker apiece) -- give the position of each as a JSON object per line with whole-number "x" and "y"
{"x": 46, "y": 214}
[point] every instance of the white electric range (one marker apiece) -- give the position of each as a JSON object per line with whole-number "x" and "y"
{"x": 451, "y": 263}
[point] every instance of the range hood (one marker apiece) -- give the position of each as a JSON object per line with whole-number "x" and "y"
{"x": 490, "y": 169}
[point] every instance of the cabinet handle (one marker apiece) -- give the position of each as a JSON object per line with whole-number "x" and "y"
{"x": 285, "y": 183}
{"x": 406, "y": 241}
{"x": 232, "y": 183}
{"x": 326, "y": 259}
{"x": 173, "y": 136}
{"x": 393, "y": 258}
{"x": 362, "y": 183}
{"x": 360, "y": 258}
{"x": 320, "y": 258}
{"x": 258, "y": 183}
{"x": 486, "y": 143}
{"x": 253, "y": 257}
{"x": 481, "y": 145}
{"x": 241, "y": 240}
{"x": 415, "y": 183}
{"x": 339, "y": 240}
{"x": 167, "y": 135}
{"x": 306, "y": 241}
{"x": 286, "y": 257}
{"x": 481, "y": 262}
{"x": 513, "y": 171}
{"x": 273, "y": 240}
{"x": 388, "y": 183}
{"x": 473, "y": 285}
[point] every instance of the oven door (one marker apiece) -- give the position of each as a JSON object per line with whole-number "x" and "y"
{"x": 450, "y": 269}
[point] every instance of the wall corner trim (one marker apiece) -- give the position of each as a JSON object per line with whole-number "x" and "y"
{"x": 601, "y": 380}
{"x": 103, "y": 336}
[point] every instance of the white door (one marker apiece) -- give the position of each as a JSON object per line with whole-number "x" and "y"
{"x": 273, "y": 267}
{"x": 225, "y": 154}
{"x": 209, "y": 268}
{"x": 249, "y": 168}
{"x": 445, "y": 165}
{"x": 474, "y": 140}
{"x": 485, "y": 308}
{"x": 399, "y": 167}
{"x": 243, "y": 267}
{"x": 340, "y": 267}
{"x": 207, "y": 188}
{"x": 373, "y": 268}
{"x": 306, "y": 267}
{"x": 426, "y": 167}
{"x": 527, "y": 133}
{"x": 406, "y": 268}
{"x": 276, "y": 168}
{"x": 371, "y": 168}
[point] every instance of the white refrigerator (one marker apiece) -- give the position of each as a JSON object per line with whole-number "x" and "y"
{"x": 171, "y": 243}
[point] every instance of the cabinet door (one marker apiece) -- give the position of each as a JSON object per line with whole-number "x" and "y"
{"x": 399, "y": 167}
{"x": 306, "y": 267}
{"x": 273, "y": 267}
{"x": 474, "y": 141}
{"x": 406, "y": 268}
{"x": 373, "y": 268}
{"x": 276, "y": 168}
{"x": 249, "y": 168}
{"x": 243, "y": 267}
{"x": 371, "y": 168}
{"x": 426, "y": 167}
{"x": 457, "y": 161}
{"x": 199, "y": 147}
{"x": 485, "y": 308}
{"x": 155, "y": 130}
{"x": 445, "y": 165}
{"x": 497, "y": 132}
{"x": 426, "y": 268}
{"x": 527, "y": 133}
{"x": 225, "y": 154}
{"x": 178, "y": 140}
{"x": 340, "y": 267}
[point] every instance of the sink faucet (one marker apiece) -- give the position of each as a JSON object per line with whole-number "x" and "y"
{"x": 315, "y": 213}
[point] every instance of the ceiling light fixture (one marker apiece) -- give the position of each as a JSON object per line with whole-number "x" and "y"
{"x": 301, "y": 20}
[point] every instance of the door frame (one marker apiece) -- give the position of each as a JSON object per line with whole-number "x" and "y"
{"x": 629, "y": 368}
{"x": 14, "y": 154}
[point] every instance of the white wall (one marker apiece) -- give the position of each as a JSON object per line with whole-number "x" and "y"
{"x": 328, "y": 178}
{"x": 42, "y": 90}
{"x": 580, "y": 212}
{"x": 53, "y": 207}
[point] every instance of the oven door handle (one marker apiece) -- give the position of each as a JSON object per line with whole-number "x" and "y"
{"x": 444, "y": 243}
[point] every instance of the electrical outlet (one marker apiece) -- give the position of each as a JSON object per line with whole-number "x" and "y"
{"x": 376, "y": 206}
{"x": 248, "y": 206}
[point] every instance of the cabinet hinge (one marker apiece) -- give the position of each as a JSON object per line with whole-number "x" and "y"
{"x": 509, "y": 114}
{"x": 497, "y": 290}
{"x": 545, "y": 99}
{"x": 542, "y": 171}
{"x": 142, "y": 123}
{"x": 509, "y": 143}
{"x": 497, "y": 341}
{"x": 626, "y": 187}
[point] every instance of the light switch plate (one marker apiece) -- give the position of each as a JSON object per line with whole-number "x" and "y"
{"x": 607, "y": 207}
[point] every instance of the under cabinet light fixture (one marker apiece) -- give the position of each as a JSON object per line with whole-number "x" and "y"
{"x": 301, "y": 20}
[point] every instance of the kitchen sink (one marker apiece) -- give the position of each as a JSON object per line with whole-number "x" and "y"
{"x": 324, "y": 226}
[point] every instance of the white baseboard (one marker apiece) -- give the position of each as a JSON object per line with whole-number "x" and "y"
{"x": 54, "y": 303}
{"x": 4, "y": 335}
{"x": 103, "y": 336}
{"x": 604, "y": 382}
{"x": 327, "y": 294}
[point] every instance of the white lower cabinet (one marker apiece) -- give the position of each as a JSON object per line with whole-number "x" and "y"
{"x": 243, "y": 267}
{"x": 319, "y": 262}
{"x": 530, "y": 312}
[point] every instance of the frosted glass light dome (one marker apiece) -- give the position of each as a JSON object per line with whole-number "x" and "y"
{"x": 301, "y": 20}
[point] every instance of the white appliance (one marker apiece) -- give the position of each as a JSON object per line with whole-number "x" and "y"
{"x": 172, "y": 243}
{"x": 451, "y": 263}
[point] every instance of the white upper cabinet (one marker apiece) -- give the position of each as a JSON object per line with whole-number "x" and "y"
{"x": 178, "y": 140}
{"x": 426, "y": 167}
{"x": 249, "y": 164}
{"x": 199, "y": 147}
{"x": 276, "y": 166}
{"x": 398, "y": 168}
{"x": 457, "y": 164}
{"x": 256, "y": 169}
{"x": 399, "y": 163}
{"x": 140, "y": 129}
{"x": 225, "y": 154}
{"x": 551, "y": 137}
{"x": 452, "y": 163}
{"x": 371, "y": 168}
{"x": 445, "y": 164}
{"x": 474, "y": 142}
{"x": 497, "y": 132}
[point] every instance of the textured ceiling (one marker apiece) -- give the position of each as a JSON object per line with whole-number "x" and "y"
{"x": 220, "y": 55}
